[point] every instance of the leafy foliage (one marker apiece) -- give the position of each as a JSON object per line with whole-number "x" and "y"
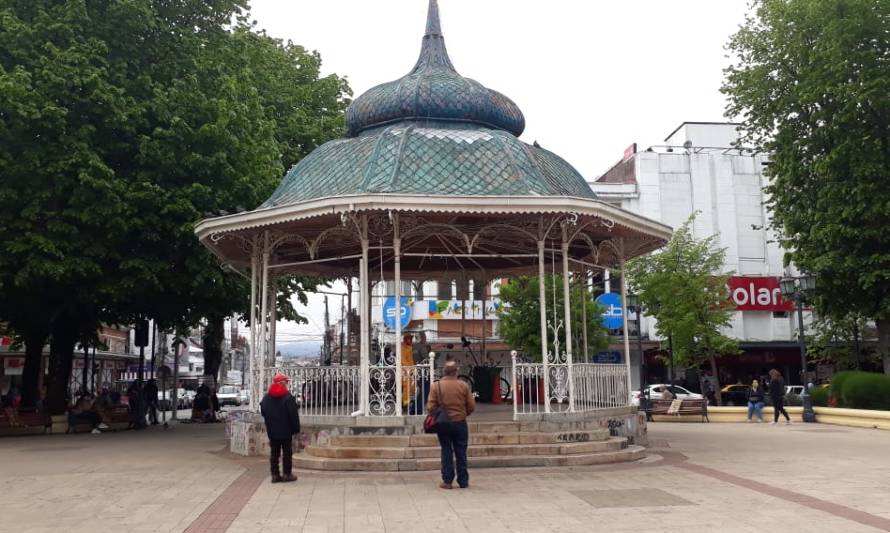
{"x": 683, "y": 287}
{"x": 842, "y": 341}
{"x": 520, "y": 320}
{"x": 121, "y": 124}
{"x": 811, "y": 83}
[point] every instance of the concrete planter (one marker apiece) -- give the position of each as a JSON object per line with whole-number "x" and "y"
{"x": 861, "y": 418}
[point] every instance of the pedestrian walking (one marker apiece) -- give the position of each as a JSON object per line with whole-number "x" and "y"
{"x": 456, "y": 398}
{"x": 150, "y": 395}
{"x": 777, "y": 395}
{"x": 279, "y": 410}
{"x": 755, "y": 401}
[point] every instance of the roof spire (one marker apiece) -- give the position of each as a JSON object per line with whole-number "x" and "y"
{"x": 433, "y": 26}
{"x": 432, "y": 52}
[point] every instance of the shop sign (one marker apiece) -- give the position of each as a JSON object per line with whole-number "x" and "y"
{"x": 757, "y": 294}
{"x": 607, "y": 358}
{"x": 13, "y": 366}
{"x": 613, "y": 317}
{"x": 389, "y": 312}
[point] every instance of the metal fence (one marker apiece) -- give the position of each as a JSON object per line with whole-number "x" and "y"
{"x": 337, "y": 390}
{"x": 559, "y": 388}
{"x": 536, "y": 388}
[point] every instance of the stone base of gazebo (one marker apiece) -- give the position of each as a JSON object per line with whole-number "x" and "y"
{"x": 496, "y": 440}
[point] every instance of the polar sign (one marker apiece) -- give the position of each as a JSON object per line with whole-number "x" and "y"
{"x": 613, "y": 317}
{"x": 389, "y": 312}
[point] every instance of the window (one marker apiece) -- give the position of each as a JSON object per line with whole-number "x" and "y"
{"x": 478, "y": 290}
{"x": 445, "y": 290}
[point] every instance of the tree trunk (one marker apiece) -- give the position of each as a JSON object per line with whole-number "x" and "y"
{"x": 717, "y": 394}
{"x": 883, "y": 325}
{"x": 214, "y": 334}
{"x": 61, "y": 354}
{"x": 34, "y": 343}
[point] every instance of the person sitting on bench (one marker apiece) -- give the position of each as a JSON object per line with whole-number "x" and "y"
{"x": 8, "y": 401}
{"x": 84, "y": 411}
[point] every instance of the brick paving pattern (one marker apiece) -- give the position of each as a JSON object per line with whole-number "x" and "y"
{"x": 726, "y": 477}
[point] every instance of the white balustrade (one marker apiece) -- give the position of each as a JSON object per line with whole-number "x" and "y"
{"x": 336, "y": 390}
{"x": 594, "y": 386}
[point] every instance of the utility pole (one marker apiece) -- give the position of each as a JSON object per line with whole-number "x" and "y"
{"x": 342, "y": 327}
{"x": 326, "y": 346}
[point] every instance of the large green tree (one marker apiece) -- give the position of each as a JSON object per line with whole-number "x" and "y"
{"x": 121, "y": 124}
{"x": 520, "y": 320}
{"x": 684, "y": 288}
{"x": 811, "y": 83}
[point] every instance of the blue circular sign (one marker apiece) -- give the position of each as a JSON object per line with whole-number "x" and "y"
{"x": 613, "y": 317}
{"x": 389, "y": 312}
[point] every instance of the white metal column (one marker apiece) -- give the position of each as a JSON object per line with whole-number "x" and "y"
{"x": 624, "y": 323}
{"x": 263, "y": 322}
{"x": 542, "y": 302}
{"x": 397, "y": 348}
{"x": 566, "y": 292}
{"x": 252, "y": 316}
{"x": 273, "y": 318}
{"x": 364, "y": 322}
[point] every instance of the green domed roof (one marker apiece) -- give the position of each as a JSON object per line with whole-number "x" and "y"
{"x": 431, "y": 133}
{"x": 412, "y": 159}
{"x": 433, "y": 90}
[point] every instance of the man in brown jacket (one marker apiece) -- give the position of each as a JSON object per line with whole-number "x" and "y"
{"x": 457, "y": 399}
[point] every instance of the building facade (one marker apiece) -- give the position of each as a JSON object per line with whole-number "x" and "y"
{"x": 701, "y": 169}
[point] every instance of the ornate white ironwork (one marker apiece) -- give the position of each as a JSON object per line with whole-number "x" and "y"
{"x": 321, "y": 390}
{"x": 596, "y": 386}
{"x": 382, "y": 399}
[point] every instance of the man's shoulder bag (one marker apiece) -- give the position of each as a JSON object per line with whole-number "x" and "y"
{"x": 437, "y": 416}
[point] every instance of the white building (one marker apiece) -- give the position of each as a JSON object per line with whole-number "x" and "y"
{"x": 700, "y": 168}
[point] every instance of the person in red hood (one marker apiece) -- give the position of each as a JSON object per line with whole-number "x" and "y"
{"x": 279, "y": 410}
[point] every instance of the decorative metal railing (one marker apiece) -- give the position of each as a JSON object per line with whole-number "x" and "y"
{"x": 545, "y": 388}
{"x": 537, "y": 388}
{"x": 599, "y": 386}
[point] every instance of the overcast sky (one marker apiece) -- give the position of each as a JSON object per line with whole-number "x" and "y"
{"x": 591, "y": 77}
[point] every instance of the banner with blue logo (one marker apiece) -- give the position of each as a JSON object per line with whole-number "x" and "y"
{"x": 389, "y": 313}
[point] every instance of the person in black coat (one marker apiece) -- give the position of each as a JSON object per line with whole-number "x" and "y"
{"x": 777, "y": 395}
{"x": 279, "y": 410}
{"x": 150, "y": 394}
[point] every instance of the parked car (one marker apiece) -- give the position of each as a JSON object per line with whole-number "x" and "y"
{"x": 736, "y": 394}
{"x": 655, "y": 393}
{"x": 794, "y": 389}
{"x": 183, "y": 401}
{"x": 228, "y": 395}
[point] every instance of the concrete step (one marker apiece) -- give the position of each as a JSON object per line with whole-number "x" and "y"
{"x": 481, "y": 450}
{"x": 309, "y": 462}
{"x": 421, "y": 440}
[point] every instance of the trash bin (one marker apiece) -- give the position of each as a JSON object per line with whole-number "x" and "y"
{"x": 482, "y": 380}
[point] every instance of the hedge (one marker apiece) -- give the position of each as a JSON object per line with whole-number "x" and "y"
{"x": 865, "y": 390}
{"x": 837, "y": 382}
{"x": 820, "y": 396}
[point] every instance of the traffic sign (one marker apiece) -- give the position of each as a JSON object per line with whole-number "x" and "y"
{"x": 613, "y": 317}
{"x": 389, "y": 312}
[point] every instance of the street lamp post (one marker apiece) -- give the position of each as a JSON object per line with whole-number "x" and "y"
{"x": 633, "y": 303}
{"x": 797, "y": 290}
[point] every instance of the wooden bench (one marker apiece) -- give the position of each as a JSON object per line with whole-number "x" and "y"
{"x": 117, "y": 417}
{"x": 687, "y": 407}
{"x": 30, "y": 421}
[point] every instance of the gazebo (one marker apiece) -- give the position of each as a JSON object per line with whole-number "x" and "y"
{"x": 431, "y": 178}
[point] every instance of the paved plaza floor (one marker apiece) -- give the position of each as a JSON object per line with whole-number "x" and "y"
{"x": 698, "y": 477}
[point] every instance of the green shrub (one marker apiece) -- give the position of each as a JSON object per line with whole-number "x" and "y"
{"x": 837, "y": 381}
{"x": 866, "y": 391}
{"x": 793, "y": 400}
{"x": 820, "y": 396}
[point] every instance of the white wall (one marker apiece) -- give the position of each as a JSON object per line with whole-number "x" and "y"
{"x": 726, "y": 187}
